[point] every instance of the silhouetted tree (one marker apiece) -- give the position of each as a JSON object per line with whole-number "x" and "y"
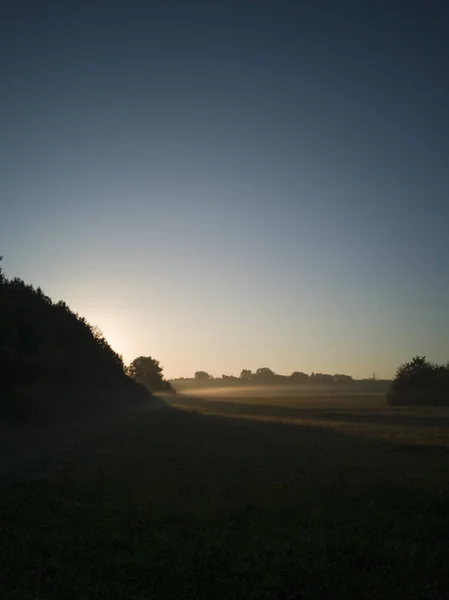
{"x": 299, "y": 377}
{"x": 148, "y": 371}
{"x": 203, "y": 376}
{"x": 264, "y": 375}
{"x": 246, "y": 375}
{"x": 420, "y": 382}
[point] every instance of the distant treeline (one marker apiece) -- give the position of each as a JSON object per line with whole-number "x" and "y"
{"x": 52, "y": 360}
{"x": 420, "y": 382}
{"x": 265, "y": 376}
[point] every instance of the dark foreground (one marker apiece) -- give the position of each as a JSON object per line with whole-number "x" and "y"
{"x": 258, "y": 498}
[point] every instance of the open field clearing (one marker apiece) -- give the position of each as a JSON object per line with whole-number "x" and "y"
{"x": 221, "y": 496}
{"x": 358, "y": 414}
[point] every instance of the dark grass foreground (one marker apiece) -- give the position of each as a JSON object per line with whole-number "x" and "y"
{"x": 171, "y": 504}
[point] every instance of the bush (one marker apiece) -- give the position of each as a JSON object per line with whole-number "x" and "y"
{"x": 420, "y": 383}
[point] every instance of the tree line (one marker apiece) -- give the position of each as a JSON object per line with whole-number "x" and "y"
{"x": 266, "y": 376}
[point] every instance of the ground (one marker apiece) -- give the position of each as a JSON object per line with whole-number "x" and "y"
{"x": 228, "y": 497}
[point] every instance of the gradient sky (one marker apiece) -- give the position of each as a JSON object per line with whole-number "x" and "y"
{"x": 227, "y": 185}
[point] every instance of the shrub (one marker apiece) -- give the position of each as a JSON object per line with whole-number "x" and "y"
{"x": 420, "y": 382}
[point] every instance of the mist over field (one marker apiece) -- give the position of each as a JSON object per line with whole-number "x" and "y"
{"x": 270, "y": 391}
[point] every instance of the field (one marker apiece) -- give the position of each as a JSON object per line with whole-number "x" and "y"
{"x": 230, "y": 496}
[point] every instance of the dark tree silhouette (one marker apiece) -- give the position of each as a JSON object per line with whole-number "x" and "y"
{"x": 203, "y": 376}
{"x": 420, "y": 382}
{"x": 148, "y": 371}
{"x": 265, "y": 376}
{"x": 246, "y": 375}
{"x": 299, "y": 377}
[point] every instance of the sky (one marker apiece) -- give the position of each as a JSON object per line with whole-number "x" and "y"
{"x": 233, "y": 184}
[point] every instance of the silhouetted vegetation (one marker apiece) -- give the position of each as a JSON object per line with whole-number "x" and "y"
{"x": 420, "y": 382}
{"x": 265, "y": 376}
{"x": 51, "y": 359}
{"x": 148, "y": 372}
{"x": 202, "y": 376}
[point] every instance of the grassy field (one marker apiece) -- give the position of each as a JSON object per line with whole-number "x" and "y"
{"x": 230, "y": 496}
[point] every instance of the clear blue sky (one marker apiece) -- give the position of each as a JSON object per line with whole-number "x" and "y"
{"x": 233, "y": 184}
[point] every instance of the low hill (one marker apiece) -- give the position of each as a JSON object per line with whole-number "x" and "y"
{"x": 52, "y": 361}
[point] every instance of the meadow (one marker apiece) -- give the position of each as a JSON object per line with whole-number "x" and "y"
{"x": 230, "y": 494}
